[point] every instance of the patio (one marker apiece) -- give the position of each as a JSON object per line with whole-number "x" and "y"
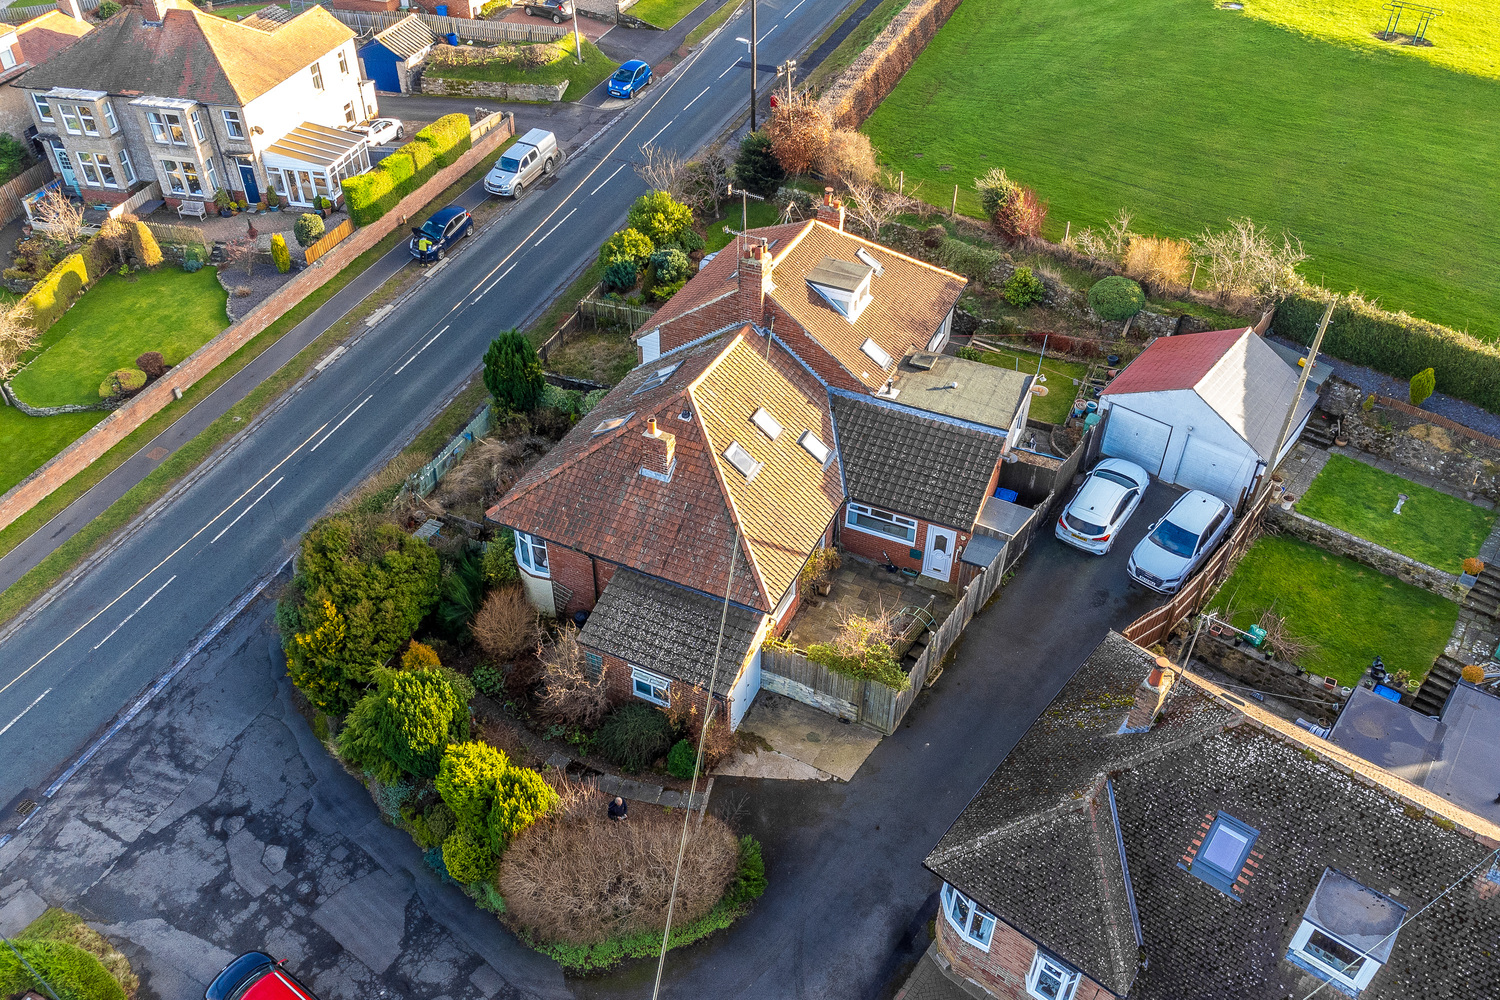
{"x": 864, "y": 588}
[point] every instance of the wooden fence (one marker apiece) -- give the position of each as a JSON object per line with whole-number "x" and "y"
{"x": 18, "y": 187}
{"x": 329, "y": 240}
{"x": 151, "y": 192}
{"x": 479, "y": 31}
{"x": 18, "y": 15}
{"x": 1153, "y": 626}
{"x": 607, "y": 312}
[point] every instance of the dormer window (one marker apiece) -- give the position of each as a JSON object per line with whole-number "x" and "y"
{"x": 843, "y": 284}
{"x": 1223, "y": 853}
{"x": 974, "y": 923}
{"x": 767, "y": 423}
{"x": 1347, "y": 932}
{"x": 744, "y": 464}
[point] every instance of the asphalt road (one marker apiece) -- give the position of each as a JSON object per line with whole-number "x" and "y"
{"x": 72, "y": 665}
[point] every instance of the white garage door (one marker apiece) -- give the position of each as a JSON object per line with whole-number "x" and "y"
{"x": 1213, "y": 470}
{"x": 1136, "y": 438}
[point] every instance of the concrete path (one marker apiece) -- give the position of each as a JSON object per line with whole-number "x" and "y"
{"x": 815, "y": 738}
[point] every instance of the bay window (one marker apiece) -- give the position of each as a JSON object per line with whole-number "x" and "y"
{"x": 182, "y": 178}
{"x": 1050, "y": 979}
{"x": 70, "y": 119}
{"x": 110, "y": 119}
{"x": 531, "y": 554}
{"x": 97, "y": 169}
{"x": 90, "y": 172}
{"x": 127, "y": 166}
{"x": 198, "y": 132}
{"x": 90, "y": 124}
{"x": 974, "y": 923}
{"x": 166, "y": 127}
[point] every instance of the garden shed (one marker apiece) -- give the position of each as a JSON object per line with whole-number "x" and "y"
{"x": 394, "y": 55}
{"x": 1203, "y": 410}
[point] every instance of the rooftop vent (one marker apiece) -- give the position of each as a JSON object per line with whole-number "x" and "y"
{"x": 875, "y": 353}
{"x": 814, "y": 447}
{"x": 767, "y": 423}
{"x": 870, "y": 261}
{"x": 737, "y": 456}
{"x": 922, "y": 360}
{"x": 613, "y": 423}
{"x": 657, "y": 379}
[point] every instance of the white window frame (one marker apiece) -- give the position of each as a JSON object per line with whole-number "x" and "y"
{"x": 1367, "y": 969}
{"x": 181, "y": 176}
{"x": 166, "y": 128}
{"x": 317, "y": 76}
{"x": 109, "y": 117}
{"x": 98, "y": 170}
{"x": 343, "y": 62}
{"x": 978, "y": 924}
{"x": 90, "y": 122}
{"x": 43, "y": 108}
{"x": 1045, "y": 962}
{"x": 70, "y": 119}
{"x": 198, "y": 131}
{"x": 234, "y": 125}
{"x": 88, "y": 169}
{"x": 658, "y": 689}
{"x": 879, "y": 514}
{"x": 7, "y": 58}
{"x": 527, "y": 547}
{"x": 785, "y": 603}
{"x": 213, "y": 176}
{"x": 127, "y": 166}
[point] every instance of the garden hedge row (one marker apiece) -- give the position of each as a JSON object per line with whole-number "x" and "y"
{"x": 50, "y": 297}
{"x": 374, "y": 193}
{"x": 1396, "y": 344}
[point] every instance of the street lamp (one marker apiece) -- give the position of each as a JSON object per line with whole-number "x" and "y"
{"x": 751, "y": 42}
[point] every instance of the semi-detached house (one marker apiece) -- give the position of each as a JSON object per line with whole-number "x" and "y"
{"x": 165, "y": 92}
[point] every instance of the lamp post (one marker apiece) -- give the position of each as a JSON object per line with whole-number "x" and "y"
{"x": 577, "y": 45}
{"x": 754, "y": 31}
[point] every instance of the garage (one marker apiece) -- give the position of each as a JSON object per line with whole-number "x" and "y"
{"x": 1215, "y": 470}
{"x": 1136, "y": 438}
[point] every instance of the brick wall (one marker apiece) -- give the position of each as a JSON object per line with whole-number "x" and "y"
{"x": 574, "y": 570}
{"x": 114, "y": 428}
{"x": 690, "y": 326}
{"x": 620, "y": 687}
{"x": 1002, "y": 970}
{"x": 870, "y": 546}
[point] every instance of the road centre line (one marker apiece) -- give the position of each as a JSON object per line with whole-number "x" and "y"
{"x": 163, "y": 561}
{"x": 553, "y": 229}
{"x": 241, "y": 514}
{"x": 694, "y": 100}
{"x": 793, "y": 10}
{"x": 352, "y": 412}
{"x": 424, "y": 347}
{"x": 28, "y": 708}
{"x": 733, "y": 65}
{"x": 602, "y": 183}
{"x": 137, "y": 611}
{"x": 768, "y": 33}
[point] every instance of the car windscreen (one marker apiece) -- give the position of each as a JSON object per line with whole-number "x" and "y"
{"x": 624, "y": 75}
{"x": 1175, "y": 539}
{"x": 1080, "y": 525}
{"x": 433, "y": 230}
{"x": 510, "y": 164}
{"x": 1115, "y": 477}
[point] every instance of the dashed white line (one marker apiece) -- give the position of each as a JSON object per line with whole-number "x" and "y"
{"x": 793, "y": 10}
{"x": 553, "y": 229}
{"x": 768, "y": 33}
{"x": 117, "y": 628}
{"x": 694, "y": 100}
{"x": 733, "y": 65}
{"x": 352, "y": 412}
{"x": 424, "y": 347}
{"x": 602, "y": 183}
{"x": 660, "y": 131}
{"x": 28, "y": 708}
{"x": 244, "y": 512}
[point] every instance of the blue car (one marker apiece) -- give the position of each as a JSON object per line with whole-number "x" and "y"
{"x": 630, "y": 79}
{"x": 445, "y": 228}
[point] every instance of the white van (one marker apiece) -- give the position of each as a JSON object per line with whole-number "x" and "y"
{"x": 533, "y": 157}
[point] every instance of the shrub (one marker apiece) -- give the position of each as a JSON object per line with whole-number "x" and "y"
{"x": 459, "y": 594}
{"x": 620, "y": 275}
{"x": 50, "y": 297}
{"x": 1473, "y": 673}
{"x": 1422, "y": 385}
{"x": 659, "y": 217}
{"x": 971, "y": 261}
{"x": 413, "y": 716}
{"x": 1024, "y": 288}
{"x": 671, "y": 265}
{"x": 58, "y": 967}
{"x": 750, "y": 878}
{"x": 968, "y": 353}
{"x": 522, "y": 798}
{"x": 513, "y": 372}
{"x": 1473, "y": 565}
{"x": 468, "y": 779}
{"x": 308, "y": 230}
{"x": 121, "y": 381}
{"x": 280, "y": 254}
{"x": 1116, "y": 298}
{"x": 661, "y": 293}
{"x": 862, "y": 647}
{"x": 934, "y": 235}
{"x": 627, "y": 244}
{"x": 429, "y": 829}
{"x": 799, "y": 132}
{"x": 106, "y": 10}
{"x": 488, "y": 679}
{"x": 1157, "y": 262}
{"x": 420, "y": 657}
{"x": 143, "y": 245}
{"x": 449, "y": 138}
{"x": 634, "y": 736}
{"x": 499, "y": 561}
{"x": 506, "y": 625}
{"x": 570, "y": 696}
{"x": 756, "y": 166}
{"x": 681, "y": 760}
{"x": 849, "y": 158}
{"x": 467, "y": 858}
{"x": 1021, "y": 216}
{"x": 994, "y": 187}
{"x": 152, "y": 364}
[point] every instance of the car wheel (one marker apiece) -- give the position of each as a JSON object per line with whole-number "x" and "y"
{"x": 400, "y": 131}
{"x": 530, "y": 12}
{"x": 556, "y": 19}
{"x": 515, "y": 191}
{"x": 549, "y": 166}
{"x": 441, "y": 253}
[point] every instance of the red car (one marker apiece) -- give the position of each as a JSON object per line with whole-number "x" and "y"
{"x": 256, "y": 976}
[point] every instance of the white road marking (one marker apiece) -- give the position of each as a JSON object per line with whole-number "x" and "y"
{"x": 793, "y": 10}
{"x": 28, "y": 708}
{"x": 694, "y": 100}
{"x": 603, "y": 182}
{"x": 659, "y": 131}
{"x": 132, "y": 614}
{"x": 351, "y": 413}
{"x": 733, "y": 65}
{"x": 768, "y": 33}
{"x": 241, "y": 514}
{"x": 553, "y": 229}
{"x": 424, "y": 347}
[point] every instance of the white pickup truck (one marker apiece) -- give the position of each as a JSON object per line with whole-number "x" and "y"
{"x": 534, "y": 156}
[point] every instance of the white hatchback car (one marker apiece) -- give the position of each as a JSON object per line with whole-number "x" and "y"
{"x": 1180, "y": 542}
{"x": 1102, "y": 505}
{"x": 380, "y": 131}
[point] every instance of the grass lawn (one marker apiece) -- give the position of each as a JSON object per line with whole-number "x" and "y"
{"x": 600, "y": 356}
{"x": 116, "y": 321}
{"x": 1350, "y": 612}
{"x": 759, "y": 214}
{"x": 664, "y": 13}
{"x": 581, "y": 79}
{"x": 239, "y": 10}
{"x": 27, "y": 442}
{"x": 1432, "y": 527}
{"x": 1054, "y": 407}
{"x": 1100, "y": 104}
{"x": 712, "y": 22}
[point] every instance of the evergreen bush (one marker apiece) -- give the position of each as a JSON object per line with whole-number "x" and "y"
{"x": 682, "y": 760}
{"x": 659, "y": 217}
{"x": 449, "y": 137}
{"x": 308, "y": 229}
{"x": 671, "y": 265}
{"x": 750, "y": 879}
{"x": 627, "y": 244}
{"x": 1116, "y": 298}
{"x": 143, "y": 243}
{"x": 499, "y": 560}
{"x": 1023, "y": 288}
{"x": 280, "y": 254}
{"x": 1423, "y": 383}
{"x": 756, "y": 166}
{"x": 513, "y": 372}
{"x": 634, "y": 736}
{"x": 50, "y": 297}
{"x": 620, "y": 275}
{"x": 467, "y": 858}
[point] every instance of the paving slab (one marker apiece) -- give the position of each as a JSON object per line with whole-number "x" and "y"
{"x": 815, "y": 738}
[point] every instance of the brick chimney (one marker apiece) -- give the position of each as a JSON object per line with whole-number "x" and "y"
{"x": 153, "y": 11}
{"x": 831, "y": 210}
{"x": 755, "y": 281}
{"x": 70, "y": 8}
{"x": 1151, "y": 695}
{"x": 660, "y": 449}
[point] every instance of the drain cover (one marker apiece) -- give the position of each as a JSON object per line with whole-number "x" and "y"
{"x": 26, "y": 808}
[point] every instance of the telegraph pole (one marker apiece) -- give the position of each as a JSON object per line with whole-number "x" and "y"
{"x": 1291, "y": 413}
{"x": 753, "y": 53}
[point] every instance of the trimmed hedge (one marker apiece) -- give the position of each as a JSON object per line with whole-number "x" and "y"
{"x": 1395, "y": 343}
{"x": 50, "y": 297}
{"x": 142, "y": 244}
{"x": 372, "y": 194}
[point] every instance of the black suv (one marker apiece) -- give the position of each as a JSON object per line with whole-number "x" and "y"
{"x": 558, "y": 10}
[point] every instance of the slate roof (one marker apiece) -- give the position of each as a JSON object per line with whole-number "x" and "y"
{"x": 648, "y": 622}
{"x": 587, "y": 492}
{"x": 912, "y": 463}
{"x": 1028, "y": 848}
{"x": 191, "y": 55}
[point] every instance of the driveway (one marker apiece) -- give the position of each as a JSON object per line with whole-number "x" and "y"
{"x": 216, "y": 823}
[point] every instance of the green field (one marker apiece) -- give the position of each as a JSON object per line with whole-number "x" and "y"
{"x": 238, "y": 11}
{"x": 581, "y": 79}
{"x": 1188, "y": 115}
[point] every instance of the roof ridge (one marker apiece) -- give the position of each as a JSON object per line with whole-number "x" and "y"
{"x": 791, "y": 244}
{"x": 1220, "y": 360}
{"x": 656, "y": 327}
{"x": 893, "y": 252}
{"x": 1109, "y": 849}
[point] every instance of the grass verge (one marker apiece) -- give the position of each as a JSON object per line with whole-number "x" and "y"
{"x": 70, "y": 553}
{"x": 581, "y": 79}
{"x": 1432, "y": 527}
{"x": 1350, "y": 612}
{"x": 712, "y": 22}
{"x": 844, "y": 54}
{"x": 664, "y": 13}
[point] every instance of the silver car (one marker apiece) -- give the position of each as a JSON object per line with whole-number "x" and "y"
{"x": 1102, "y": 505}
{"x": 1180, "y": 542}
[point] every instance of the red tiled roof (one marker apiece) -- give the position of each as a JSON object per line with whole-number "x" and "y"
{"x": 1174, "y": 362}
{"x": 716, "y": 280}
{"x": 45, "y": 35}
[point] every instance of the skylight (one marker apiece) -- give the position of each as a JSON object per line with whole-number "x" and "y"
{"x": 814, "y": 447}
{"x": 737, "y": 456}
{"x": 875, "y": 353}
{"x": 1223, "y": 853}
{"x": 870, "y": 261}
{"x": 613, "y": 423}
{"x": 657, "y": 379}
{"x": 767, "y": 423}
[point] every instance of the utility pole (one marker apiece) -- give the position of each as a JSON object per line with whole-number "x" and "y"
{"x": 789, "y": 68}
{"x": 754, "y": 28}
{"x": 1291, "y": 411}
{"x": 577, "y": 45}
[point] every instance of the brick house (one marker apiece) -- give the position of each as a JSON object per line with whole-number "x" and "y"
{"x": 25, "y": 47}
{"x": 165, "y": 92}
{"x": 1151, "y": 839}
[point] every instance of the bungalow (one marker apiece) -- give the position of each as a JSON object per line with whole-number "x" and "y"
{"x": 1151, "y": 839}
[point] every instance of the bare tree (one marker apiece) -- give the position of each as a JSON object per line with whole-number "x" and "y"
{"x": 873, "y": 210}
{"x": 1110, "y": 245}
{"x": 1243, "y": 259}
{"x": 569, "y": 695}
{"x": 241, "y": 253}
{"x": 18, "y": 335}
{"x": 707, "y": 182}
{"x": 59, "y": 218}
{"x": 662, "y": 169}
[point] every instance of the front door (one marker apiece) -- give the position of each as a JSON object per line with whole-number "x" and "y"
{"x": 65, "y": 167}
{"x": 937, "y": 562}
{"x": 305, "y": 185}
{"x": 247, "y": 178}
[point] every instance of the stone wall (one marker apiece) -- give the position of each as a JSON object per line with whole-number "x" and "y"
{"x": 1403, "y": 568}
{"x": 114, "y": 428}
{"x": 1420, "y": 441}
{"x": 1264, "y": 673}
{"x": 448, "y": 87}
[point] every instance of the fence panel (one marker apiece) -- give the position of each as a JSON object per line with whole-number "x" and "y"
{"x": 151, "y": 192}
{"x": 425, "y": 479}
{"x": 610, "y": 313}
{"x": 789, "y": 673}
{"x": 18, "y": 187}
{"x": 17, "y": 15}
{"x": 481, "y": 31}
{"x": 329, "y": 240}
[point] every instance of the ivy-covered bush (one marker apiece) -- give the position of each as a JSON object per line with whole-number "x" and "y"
{"x": 1023, "y": 288}
{"x": 634, "y": 736}
{"x": 1116, "y": 298}
{"x": 627, "y": 244}
{"x": 660, "y": 218}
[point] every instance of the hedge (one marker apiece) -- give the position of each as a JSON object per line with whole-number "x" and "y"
{"x": 143, "y": 244}
{"x": 50, "y": 297}
{"x": 449, "y": 138}
{"x": 1395, "y": 343}
{"x": 372, "y": 194}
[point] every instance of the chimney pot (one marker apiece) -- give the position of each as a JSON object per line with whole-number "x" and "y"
{"x": 651, "y": 426}
{"x": 1151, "y": 694}
{"x": 828, "y": 195}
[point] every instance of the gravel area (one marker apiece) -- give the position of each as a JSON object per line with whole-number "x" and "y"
{"x": 262, "y": 282}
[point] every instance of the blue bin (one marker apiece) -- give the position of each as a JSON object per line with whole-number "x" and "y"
{"x": 452, "y": 38}
{"x": 442, "y": 10}
{"x": 1388, "y": 693}
{"x": 1009, "y": 496}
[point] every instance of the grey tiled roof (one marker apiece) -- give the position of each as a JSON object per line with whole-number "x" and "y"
{"x": 649, "y": 622}
{"x": 911, "y": 463}
{"x": 1029, "y": 848}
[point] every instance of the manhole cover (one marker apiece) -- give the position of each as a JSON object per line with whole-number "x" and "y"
{"x": 26, "y": 808}
{"x": 157, "y": 454}
{"x": 814, "y": 738}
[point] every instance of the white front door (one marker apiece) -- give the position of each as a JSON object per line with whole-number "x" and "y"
{"x": 938, "y": 560}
